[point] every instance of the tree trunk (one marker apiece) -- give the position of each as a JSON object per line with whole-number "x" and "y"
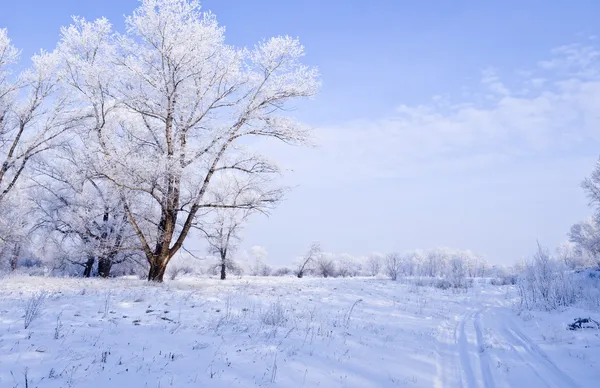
{"x": 300, "y": 274}
{"x": 104, "y": 266}
{"x": 14, "y": 260}
{"x": 89, "y": 264}
{"x": 157, "y": 270}
{"x": 223, "y": 274}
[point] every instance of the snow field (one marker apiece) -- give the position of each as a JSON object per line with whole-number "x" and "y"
{"x": 358, "y": 332}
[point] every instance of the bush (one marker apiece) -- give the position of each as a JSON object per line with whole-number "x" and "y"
{"x": 33, "y": 308}
{"x": 275, "y": 315}
{"x": 284, "y": 271}
{"x": 443, "y": 284}
{"x": 326, "y": 267}
{"x": 546, "y": 283}
{"x": 175, "y": 271}
{"x": 509, "y": 280}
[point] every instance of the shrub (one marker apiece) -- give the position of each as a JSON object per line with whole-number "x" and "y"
{"x": 176, "y": 271}
{"x": 443, "y": 284}
{"x": 508, "y": 280}
{"x": 283, "y": 271}
{"x": 33, "y": 308}
{"x": 326, "y": 267}
{"x": 275, "y": 315}
{"x": 545, "y": 283}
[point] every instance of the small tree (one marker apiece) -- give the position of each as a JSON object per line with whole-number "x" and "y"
{"x": 374, "y": 265}
{"x": 307, "y": 262}
{"x": 393, "y": 264}
{"x": 260, "y": 268}
{"x": 325, "y": 266}
{"x": 585, "y": 236}
{"x": 574, "y": 256}
{"x": 222, "y": 236}
{"x": 347, "y": 265}
{"x": 458, "y": 272}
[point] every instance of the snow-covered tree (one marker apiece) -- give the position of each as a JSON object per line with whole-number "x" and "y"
{"x": 393, "y": 265}
{"x": 309, "y": 260}
{"x": 14, "y": 229}
{"x": 457, "y": 272}
{"x": 82, "y": 213}
{"x": 222, "y": 236}
{"x": 373, "y": 265}
{"x": 585, "y": 236}
{"x": 435, "y": 262}
{"x": 172, "y": 108}
{"x": 260, "y": 267}
{"x": 348, "y": 265}
{"x": 573, "y": 256}
{"x": 34, "y": 114}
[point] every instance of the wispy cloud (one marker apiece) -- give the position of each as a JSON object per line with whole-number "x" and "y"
{"x": 577, "y": 59}
{"x": 490, "y": 79}
{"x": 504, "y": 157}
{"x": 555, "y": 109}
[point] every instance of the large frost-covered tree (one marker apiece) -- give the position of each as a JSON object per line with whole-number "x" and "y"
{"x": 172, "y": 110}
{"x": 34, "y": 114}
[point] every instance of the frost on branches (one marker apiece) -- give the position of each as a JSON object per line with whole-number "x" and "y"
{"x": 170, "y": 109}
{"x": 34, "y": 116}
{"x": 222, "y": 235}
{"x": 81, "y": 215}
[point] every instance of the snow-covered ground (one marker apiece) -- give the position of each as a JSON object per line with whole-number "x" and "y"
{"x": 284, "y": 332}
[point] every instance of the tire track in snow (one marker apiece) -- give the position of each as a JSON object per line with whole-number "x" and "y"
{"x": 462, "y": 365}
{"x": 541, "y": 358}
{"x": 448, "y": 365}
{"x": 539, "y": 369}
{"x": 510, "y": 341}
{"x": 465, "y": 358}
{"x": 483, "y": 357}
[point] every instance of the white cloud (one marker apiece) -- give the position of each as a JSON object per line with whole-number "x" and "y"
{"x": 490, "y": 174}
{"x": 560, "y": 113}
{"x": 490, "y": 79}
{"x": 576, "y": 59}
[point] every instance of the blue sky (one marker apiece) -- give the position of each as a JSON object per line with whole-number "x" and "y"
{"x": 466, "y": 124}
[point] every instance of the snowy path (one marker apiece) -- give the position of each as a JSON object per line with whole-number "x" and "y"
{"x": 462, "y": 363}
{"x": 540, "y": 371}
{"x": 271, "y": 332}
{"x": 485, "y": 347}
